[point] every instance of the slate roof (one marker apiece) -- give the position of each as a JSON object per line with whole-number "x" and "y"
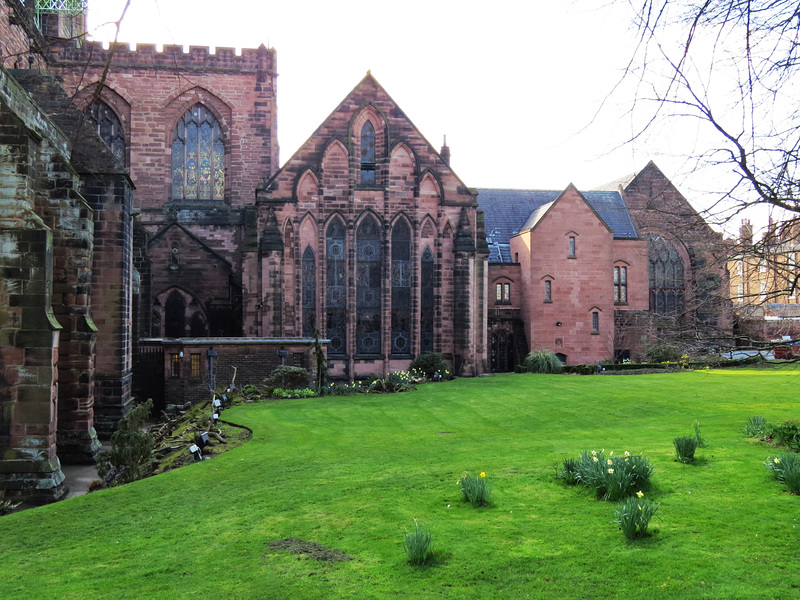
{"x": 507, "y": 212}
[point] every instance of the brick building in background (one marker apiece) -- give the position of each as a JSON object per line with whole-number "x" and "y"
{"x": 146, "y": 230}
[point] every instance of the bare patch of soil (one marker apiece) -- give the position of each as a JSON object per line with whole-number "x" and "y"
{"x": 309, "y": 549}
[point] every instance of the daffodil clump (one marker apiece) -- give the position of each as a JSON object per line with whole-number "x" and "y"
{"x": 418, "y": 544}
{"x": 685, "y": 448}
{"x": 396, "y": 381}
{"x": 476, "y": 488}
{"x": 612, "y": 477}
{"x": 786, "y": 468}
{"x": 341, "y": 389}
{"x": 633, "y": 515}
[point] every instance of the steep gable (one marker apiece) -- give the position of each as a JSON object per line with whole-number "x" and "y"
{"x": 343, "y": 126}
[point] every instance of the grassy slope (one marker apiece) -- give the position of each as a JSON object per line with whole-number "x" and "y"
{"x": 352, "y": 473}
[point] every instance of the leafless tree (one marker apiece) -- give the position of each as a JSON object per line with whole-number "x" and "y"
{"x": 732, "y": 69}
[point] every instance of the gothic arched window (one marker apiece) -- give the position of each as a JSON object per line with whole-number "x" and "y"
{"x": 198, "y": 157}
{"x": 368, "y": 287}
{"x": 368, "y": 154}
{"x": 666, "y": 276}
{"x": 309, "y": 291}
{"x": 175, "y": 316}
{"x": 401, "y": 288}
{"x": 336, "y": 284}
{"x": 109, "y": 129}
{"x": 426, "y": 301}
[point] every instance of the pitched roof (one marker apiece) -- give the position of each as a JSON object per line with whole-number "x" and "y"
{"x": 507, "y": 212}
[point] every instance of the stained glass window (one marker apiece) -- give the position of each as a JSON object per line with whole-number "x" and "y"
{"x": 336, "y": 284}
{"x": 368, "y": 154}
{"x": 666, "y": 276}
{"x": 368, "y": 287}
{"x": 109, "y": 129}
{"x": 401, "y": 288}
{"x": 198, "y": 157}
{"x": 426, "y": 301}
{"x": 309, "y": 291}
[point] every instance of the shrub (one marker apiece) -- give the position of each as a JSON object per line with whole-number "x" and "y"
{"x": 684, "y": 449}
{"x": 787, "y": 434}
{"x": 542, "y": 361}
{"x": 418, "y": 544}
{"x": 633, "y": 515}
{"x": 476, "y": 488}
{"x": 131, "y": 448}
{"x": 665, "y": 353}
{"x": 756, "y": 427}
{"x": 431, "y": 363}
{"x": 288, "y": 378}
{"x": 786, "y": 468}
{"x": 614, "y": 477}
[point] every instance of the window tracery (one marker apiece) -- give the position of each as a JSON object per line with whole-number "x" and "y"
{"x": 198, "y": 157}
{"x": 336, "y": 284}
{"x": 426, "y": 301}
{"x": 109, "y": 128}
{"x": 401, "y": 288}
{"x": 666, "y": 276}
{"x": 368, "y": 287}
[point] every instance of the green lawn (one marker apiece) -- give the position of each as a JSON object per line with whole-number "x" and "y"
{"x": 352, "y": 473}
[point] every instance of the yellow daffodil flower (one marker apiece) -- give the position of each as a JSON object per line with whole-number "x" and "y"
{"x": 611, "y": 470}
{"x": 639, "y": 494}
{"x": 483, "y": 474}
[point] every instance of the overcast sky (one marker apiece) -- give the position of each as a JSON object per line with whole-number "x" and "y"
{"x": 522, "y": 89}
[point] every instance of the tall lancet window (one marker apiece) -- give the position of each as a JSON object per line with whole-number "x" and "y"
{"x": 309, "y": 292}
{"x": 109, "y": 128}
{"x": 368, "y": 154}
{"x": 401, "y": 288}
{"x": 426, "y": 301}
{"x": 198, "y": 157}
{"x": 336, "y": 292}
{"x": 368, "y": 287}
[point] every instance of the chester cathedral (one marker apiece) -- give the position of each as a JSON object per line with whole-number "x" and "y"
{"x": 150, "y": 241}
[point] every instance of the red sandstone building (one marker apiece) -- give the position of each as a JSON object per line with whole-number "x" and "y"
{"x": 148, "y": 233}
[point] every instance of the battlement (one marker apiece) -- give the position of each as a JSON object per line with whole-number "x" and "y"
{"x": 146, "y": 56}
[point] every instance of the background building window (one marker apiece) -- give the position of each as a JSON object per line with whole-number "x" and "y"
{"x": 198, "y": 157}
{"x": 620, "y": 285}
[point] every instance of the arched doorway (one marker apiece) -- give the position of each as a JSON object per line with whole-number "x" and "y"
{"x": 502, "y": 351}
